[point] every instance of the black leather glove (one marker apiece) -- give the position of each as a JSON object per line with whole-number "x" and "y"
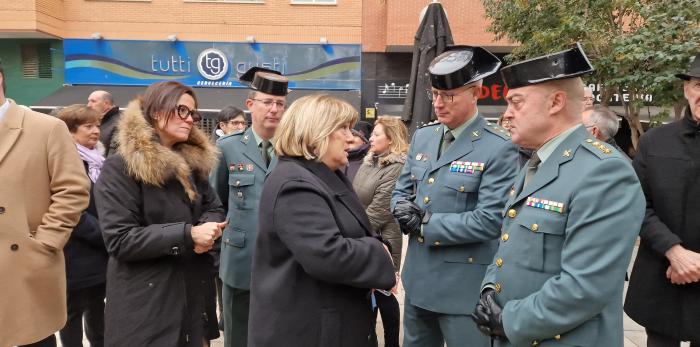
{"x": 487, "y": 315}
{"x": 409, "y": 216}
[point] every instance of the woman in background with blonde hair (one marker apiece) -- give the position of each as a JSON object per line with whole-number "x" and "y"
{"x": 374, "y": 182}
{"x": 316, "y": 258}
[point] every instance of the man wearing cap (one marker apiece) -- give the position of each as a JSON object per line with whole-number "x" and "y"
{"x": 666, "y": 273}
{"x": 558, "y": 275}
{"x": 246, "y": 159}
{"x": 448, "y": 198}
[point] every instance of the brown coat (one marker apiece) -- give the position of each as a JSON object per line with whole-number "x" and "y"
{"x": 43, "y": 191}
{"x": 373, "y": 184}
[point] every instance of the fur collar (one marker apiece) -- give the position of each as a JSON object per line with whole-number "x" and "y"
{"x": 384, "y": 160}
{"x": 152, "y": 163}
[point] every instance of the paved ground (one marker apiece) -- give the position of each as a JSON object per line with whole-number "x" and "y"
{"x": 634, "y": 333}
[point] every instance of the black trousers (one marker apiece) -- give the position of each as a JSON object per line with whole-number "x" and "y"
{"x": 388, "y": 307}
{"x": 660, "y": 340}
{"x": 47, "y": 342}
{"x": 89, "y": 303}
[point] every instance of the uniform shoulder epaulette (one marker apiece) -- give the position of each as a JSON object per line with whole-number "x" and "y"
{"x": 435, "y": 122}
{"x": 497, "y": 130}
{"x": 231, "y": 135}
{"x": 601, "y": 149}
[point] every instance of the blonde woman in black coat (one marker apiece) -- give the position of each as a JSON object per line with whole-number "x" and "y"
{"x": 316, "y": 258}
{"x": 160, "y": 218}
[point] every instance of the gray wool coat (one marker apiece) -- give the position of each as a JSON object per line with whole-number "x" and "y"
{"x": 373, "y": 184}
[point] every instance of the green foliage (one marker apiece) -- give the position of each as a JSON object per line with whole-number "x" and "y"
{"x": 635, "y": 45}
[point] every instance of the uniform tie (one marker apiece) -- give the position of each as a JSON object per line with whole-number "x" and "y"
{"x": 265, "y": 152}
{"x": 531, "y": 168}
{"x": 447, "y": 140}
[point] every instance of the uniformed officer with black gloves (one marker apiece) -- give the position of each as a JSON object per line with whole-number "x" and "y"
{"x": 570, "y": 222}
{"x": 449, "y": 198}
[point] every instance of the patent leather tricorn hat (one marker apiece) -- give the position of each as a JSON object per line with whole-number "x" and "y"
{"x": 693, "y": 71}
{"x": 266, "y": 81}
{"x": 461, "y": 65}
{"x": 562, "y": 65}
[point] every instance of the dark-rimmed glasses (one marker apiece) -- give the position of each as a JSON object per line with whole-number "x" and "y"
{"x": 183, "y": 112}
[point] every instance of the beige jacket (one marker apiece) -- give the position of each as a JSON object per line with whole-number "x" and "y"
{"x": 43, "y": 191}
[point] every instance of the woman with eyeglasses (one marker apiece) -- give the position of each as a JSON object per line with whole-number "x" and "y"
{"x": 160, "y": 219}
{"x": 231, "y": 120}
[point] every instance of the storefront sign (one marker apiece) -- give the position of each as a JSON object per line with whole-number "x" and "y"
{"x": 209, "y": 64}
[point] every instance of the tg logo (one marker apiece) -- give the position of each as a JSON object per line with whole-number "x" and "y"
{"x": 212, "y": 64}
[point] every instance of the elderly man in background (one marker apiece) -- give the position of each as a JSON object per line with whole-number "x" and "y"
{"x": 588, "y": 98}
{"x": 603, "y": 124}
{"x": 103, "y": 102}
{"x": 666, "y": 273}
{"x": 43, "y": 191}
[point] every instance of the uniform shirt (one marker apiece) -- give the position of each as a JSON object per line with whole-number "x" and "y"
{"x": 4, "y": 108}
{"x": 458, "y": 130}
{"x": 548, "y": 148}
{"x": 259, "y": 140}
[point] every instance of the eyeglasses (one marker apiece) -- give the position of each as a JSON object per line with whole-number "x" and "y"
{"x": 183, "y": 112}
{"x": 447, "y": 98}
{"x": 237, "y": 123}
{"x": 268, "y": 103}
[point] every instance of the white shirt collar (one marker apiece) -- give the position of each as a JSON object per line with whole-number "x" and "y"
{"x": 4, "y": 108}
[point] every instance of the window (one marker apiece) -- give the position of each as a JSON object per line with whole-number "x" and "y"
{"x": 313, "y": 2}
{"x": 36, "y": 61}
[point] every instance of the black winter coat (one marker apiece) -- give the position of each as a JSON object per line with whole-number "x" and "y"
{"x": 159, "y": 292}
{"x": 85, "y": 253}
{"x": 668, "y": 166}
{"x": 315, "y": 260}
{"x": 108, "y": 128}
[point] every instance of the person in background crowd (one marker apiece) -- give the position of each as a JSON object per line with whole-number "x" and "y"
{"x": 316, "y": 257}
{"x": 231, "y": 120}
{"x": 160, "y": 218}
{"x": 602, "y": 124}
{"x": 570, "y": 221}
{"x": 43, "y": 191}
{"x": 103, "y": 102}
{"x": 664, "y": 290}
{"x": 246, "y": 159}
{"x": 588, "y": 98}
{"x": 86, "y": 256}
{"x": 449, "y": 199}
{"x": 374, "y": 182}
{"x": 359, "y": 147}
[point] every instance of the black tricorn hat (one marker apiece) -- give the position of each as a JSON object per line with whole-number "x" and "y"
{"x": 693, "y": 70}
{"x": 266, "y": 81}
{"x": 566, "y": 64}
{"x": 461, "y": 65}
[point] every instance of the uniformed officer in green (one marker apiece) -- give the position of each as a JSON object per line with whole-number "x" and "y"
{"x": 448, "y": 198}
{"x": 246, "y": 159}
{"x": 570, "y": 222}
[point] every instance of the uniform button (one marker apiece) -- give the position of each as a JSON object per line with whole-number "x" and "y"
{"x": 426, "y": 200}
{"x": 505, "y": 237}
{"x": 471, "y": 260}
{"x": 461, "y": 189}
{"x": 499, "y": 262}
{"x": 557, "y": 337}
{"x": 535, "y": 227}
{"x": 436, "y": 243}
{"x": 589, "y": 141}
{"x": 238, "y": 183}
{"x": 498, "y": 287}
{"x": 227, "y": 241}
{"x": 413, "y": 177}
{"x": 2, "y": 209}
{"x": 14, "y": 247}
{"x": 535, "y": 343}
{"x": 512, "y": 213}
{"x": 431, "y": 180}
{"x": 421, "y": 239}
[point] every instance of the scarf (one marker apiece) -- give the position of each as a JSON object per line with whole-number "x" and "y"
{"x": 94, "y": 159}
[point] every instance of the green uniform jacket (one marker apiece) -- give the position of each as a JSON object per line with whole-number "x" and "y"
{"x": 238, "y": 180}
{"x": 566, "y": 243}
{"x": 443, "y": 269}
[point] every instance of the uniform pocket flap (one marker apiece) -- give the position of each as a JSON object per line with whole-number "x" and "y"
{"x": 542, "y": 221}
{"x": 418, "y": 172}
{"x": 481, "y": 254}
{"x": 462, "y": 184}
{"x": 236, "y": 238}
{"x": 241, "y": 180}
